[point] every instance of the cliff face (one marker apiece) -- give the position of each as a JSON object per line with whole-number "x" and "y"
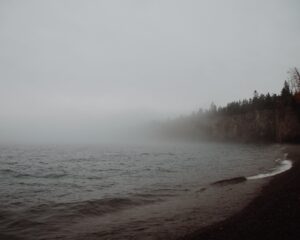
{"x": 287, "y": 126}
{"x": 265, "y": 125}
{"x": 268, "y": 119}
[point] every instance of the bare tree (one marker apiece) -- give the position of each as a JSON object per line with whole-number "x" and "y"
{"x": 294, "y": 80}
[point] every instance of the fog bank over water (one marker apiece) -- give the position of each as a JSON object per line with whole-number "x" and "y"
{"x": 77, "y": 130}
{"x": 78, "y": 71}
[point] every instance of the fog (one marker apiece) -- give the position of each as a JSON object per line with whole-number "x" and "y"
{"x": 74, "y": 71}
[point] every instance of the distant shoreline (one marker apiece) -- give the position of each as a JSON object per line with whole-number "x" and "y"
{"x": 274, "y": 214}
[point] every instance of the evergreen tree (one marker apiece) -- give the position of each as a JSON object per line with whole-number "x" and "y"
{"x": 286, "y": 94}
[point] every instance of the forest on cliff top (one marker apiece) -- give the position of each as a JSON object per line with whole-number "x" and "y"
{"x": 264, "y": 117}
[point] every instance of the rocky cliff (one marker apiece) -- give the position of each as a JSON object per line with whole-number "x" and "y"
{"x": 280, "y": 125}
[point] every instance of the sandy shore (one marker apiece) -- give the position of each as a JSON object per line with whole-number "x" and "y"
{"x": 274, "y": 214}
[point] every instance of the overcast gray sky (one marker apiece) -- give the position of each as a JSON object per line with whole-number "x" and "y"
{"x": 80, "y": 63}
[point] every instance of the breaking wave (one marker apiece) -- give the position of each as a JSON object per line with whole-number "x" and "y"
{"x": 284, "y": 165}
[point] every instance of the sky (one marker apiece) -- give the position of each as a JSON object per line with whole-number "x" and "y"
{"x": 78, "y": 68}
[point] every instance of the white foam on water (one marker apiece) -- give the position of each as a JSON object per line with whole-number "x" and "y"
{"x": 283, "y": 165}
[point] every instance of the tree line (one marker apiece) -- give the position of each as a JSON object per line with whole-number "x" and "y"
{"x": 288, "y": 97}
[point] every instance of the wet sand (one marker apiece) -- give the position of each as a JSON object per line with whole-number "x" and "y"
{"x": 274, "y": 214}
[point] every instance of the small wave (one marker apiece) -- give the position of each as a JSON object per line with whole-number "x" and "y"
{"x": 4, "y": 214}
{"x": 6, "y": 171}
{"x": 12, "y": 163}
{"x": 201, "y": 190}
{"x": 102, "y": 206}
{"x": 160, "y": 169}
{"x": 164, "y": 154}
{"x": 86, "y": 208}
{"x": 53, "y": 175}
{"x": 82, "y": 159}
{"x": 14, "y": 173}
{"x": 283, "y": 166}
{"x": 230, "y": 181}
{"x": 145, "y": 154}
{"x": 92, "y": 177}
{"x": 18, "y": 174}
{"x": 50, "y": 175}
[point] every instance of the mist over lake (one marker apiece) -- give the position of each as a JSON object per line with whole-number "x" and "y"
{"x": 135, "y": 119}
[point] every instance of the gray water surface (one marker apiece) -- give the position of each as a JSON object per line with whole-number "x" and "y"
{"x": 141, "y": 191}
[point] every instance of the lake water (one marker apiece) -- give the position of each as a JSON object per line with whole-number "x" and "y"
{"x": 134, "y": 191}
